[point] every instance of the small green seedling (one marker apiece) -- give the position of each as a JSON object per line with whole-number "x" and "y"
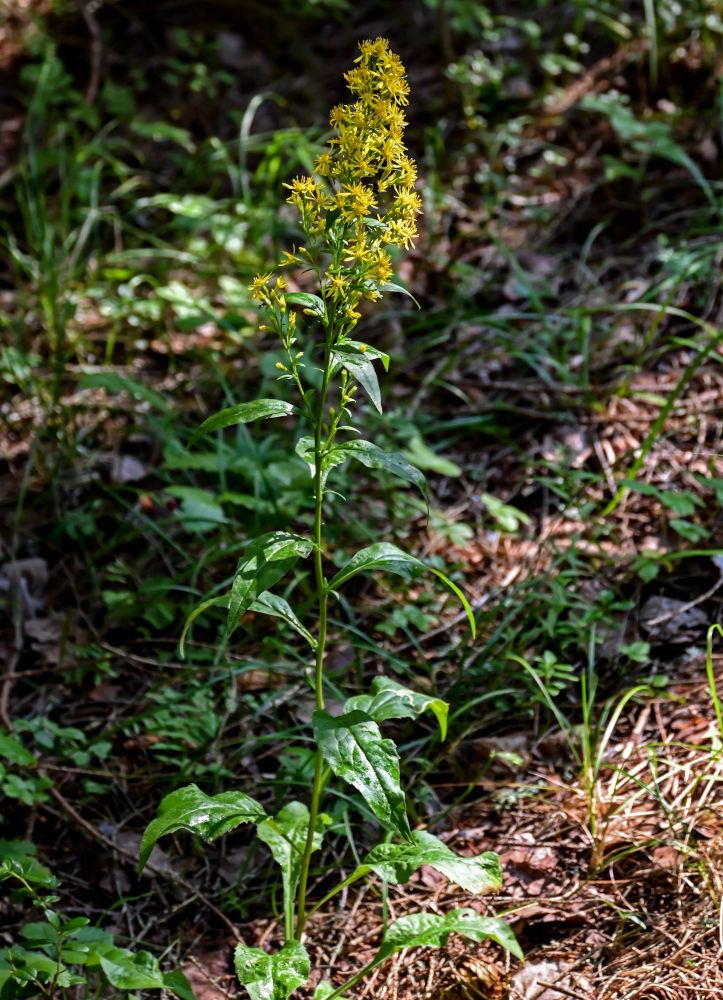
{"x": 360, "y": 203}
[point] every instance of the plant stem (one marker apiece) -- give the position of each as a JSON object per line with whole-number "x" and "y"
{"x": 322, "y": 597}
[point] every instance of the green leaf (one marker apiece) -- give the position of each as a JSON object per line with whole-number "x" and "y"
{"x": 390, "y": 700}
{"x": 396, "y": 863}
{"x": 433, "y": 930}
{"x": 367, "y": 352}
{"x": 272, "y": 977}
{"x": 264, "y": 561}
{"x": 128, "y": 971}
{"x": 271, "y": 604}
{"x": 200, "y": 510}
{"x": 311, "y": 302}
{"x": 384, "y": 555}
{"x": 355, "y": 750}
{"x": 286, "y": 835}
{"x": 392, "y": 286}
{"x": 380, "y": 555}
{"x": 242, "y": 413}
{"x": 305, "y": 451}
{"x": 211, "y": 602}
{"x": 424, "y": 457}
{"x": 360, "y": 369}
{"x": 190, "y": 809}
{"x": 13, "y": 750}
{"x": 374, "y": 457}
{"x": 323, "y": 990}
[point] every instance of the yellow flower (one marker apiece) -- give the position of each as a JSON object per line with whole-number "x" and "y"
{"x": 258, "y": 286}
{"x": 336, "y": 285}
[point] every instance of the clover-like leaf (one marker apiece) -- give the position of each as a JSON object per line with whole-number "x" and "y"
{"x": 272, "y": 977}
{"x": 390, "y": 700}
{"x": 433, "y": 930}
{"x": 396, "y": 863}
{"x": 190, "y": 809}
{"x": 355, "y": 750}
{"x": 242, "y": 413}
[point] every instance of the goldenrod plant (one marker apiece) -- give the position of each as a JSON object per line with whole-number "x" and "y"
{"x": 360, "y": 203}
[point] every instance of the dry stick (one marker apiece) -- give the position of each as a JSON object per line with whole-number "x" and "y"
{"x": 562, "y": 989}
{"x": 171, "y": 876}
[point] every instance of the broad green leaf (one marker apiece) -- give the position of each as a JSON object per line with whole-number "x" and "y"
{"x": 425, "y": 458}
{"x": 433, "y": 930}
{"x": 286, "y": 835}
{"x": 264, "y": 561}
{"x": 391, "y": 286}
{"x": 242, "y": 413}
{"x": 374, "y": 457}
{"x": 271, "y": 604}
{"x": 359, "y": 368}
{"x": 128, "y": 971}
{"x": 390, "y": 700}
{"x": 380, "y": 555}
{"x": 13, "y": 750}
{"x": 116, "y": 383}
{"x": 355, "y": 750}
{"x": 272, "y": 977}
{"x": 392, "y": 559}
{"x": 190, "y": 809}
{"x": 311, "y": 302}
{"x": 396, "y": 863}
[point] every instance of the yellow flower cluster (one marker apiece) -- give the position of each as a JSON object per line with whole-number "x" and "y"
{"x": 365, "y": 170}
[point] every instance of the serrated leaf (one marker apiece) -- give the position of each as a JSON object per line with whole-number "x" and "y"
{"x": 306, "y": 301}
{"x": 271, "y": 604}
{"x": 433, "y": 930}
{"x": 360, "y": 369}
{"x": 272, "y": 977}
{"x": 355, "y": 750}
{"x": 374, "y": 457}
{"x": 396, "y": 863}
{"x": 286, "y": 835}
{"x": 140, "y": 971}
{"x": 265, "y": 560}
{"x": 390, "y": 700}
{"x": 242, "y": 413}
{"x": 209, "y": 816}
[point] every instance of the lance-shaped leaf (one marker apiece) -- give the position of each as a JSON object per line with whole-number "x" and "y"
{"x": 272, "y": 977}
{"x": 360, "y": 368}
{"x": 374, "y": 457}
{"x": 286, "y": 835}
{"x": 355, "y": 750}
{"x": 392, "y": 286}
{"x": 392, "y": 559}
{"x": 433, "y": 930}
{"x": 242, "y": 413}
{"x": 264, "y": 561}
{"x": 367, "y": 351}
{"x": 390, "y": 700}
{"x": 207, "y": 815}
{"x": 307, "y": 301}
{"x": 140, "y": 971}
{"x": 271, "y": 604}
{"x": 323, "y": 990}
{"x": 396, "y": 863}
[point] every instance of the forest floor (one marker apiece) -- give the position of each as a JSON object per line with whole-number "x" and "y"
{"x": 567, "y": 365}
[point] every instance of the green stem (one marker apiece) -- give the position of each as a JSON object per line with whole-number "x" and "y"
{"x": 322, "y": 597}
